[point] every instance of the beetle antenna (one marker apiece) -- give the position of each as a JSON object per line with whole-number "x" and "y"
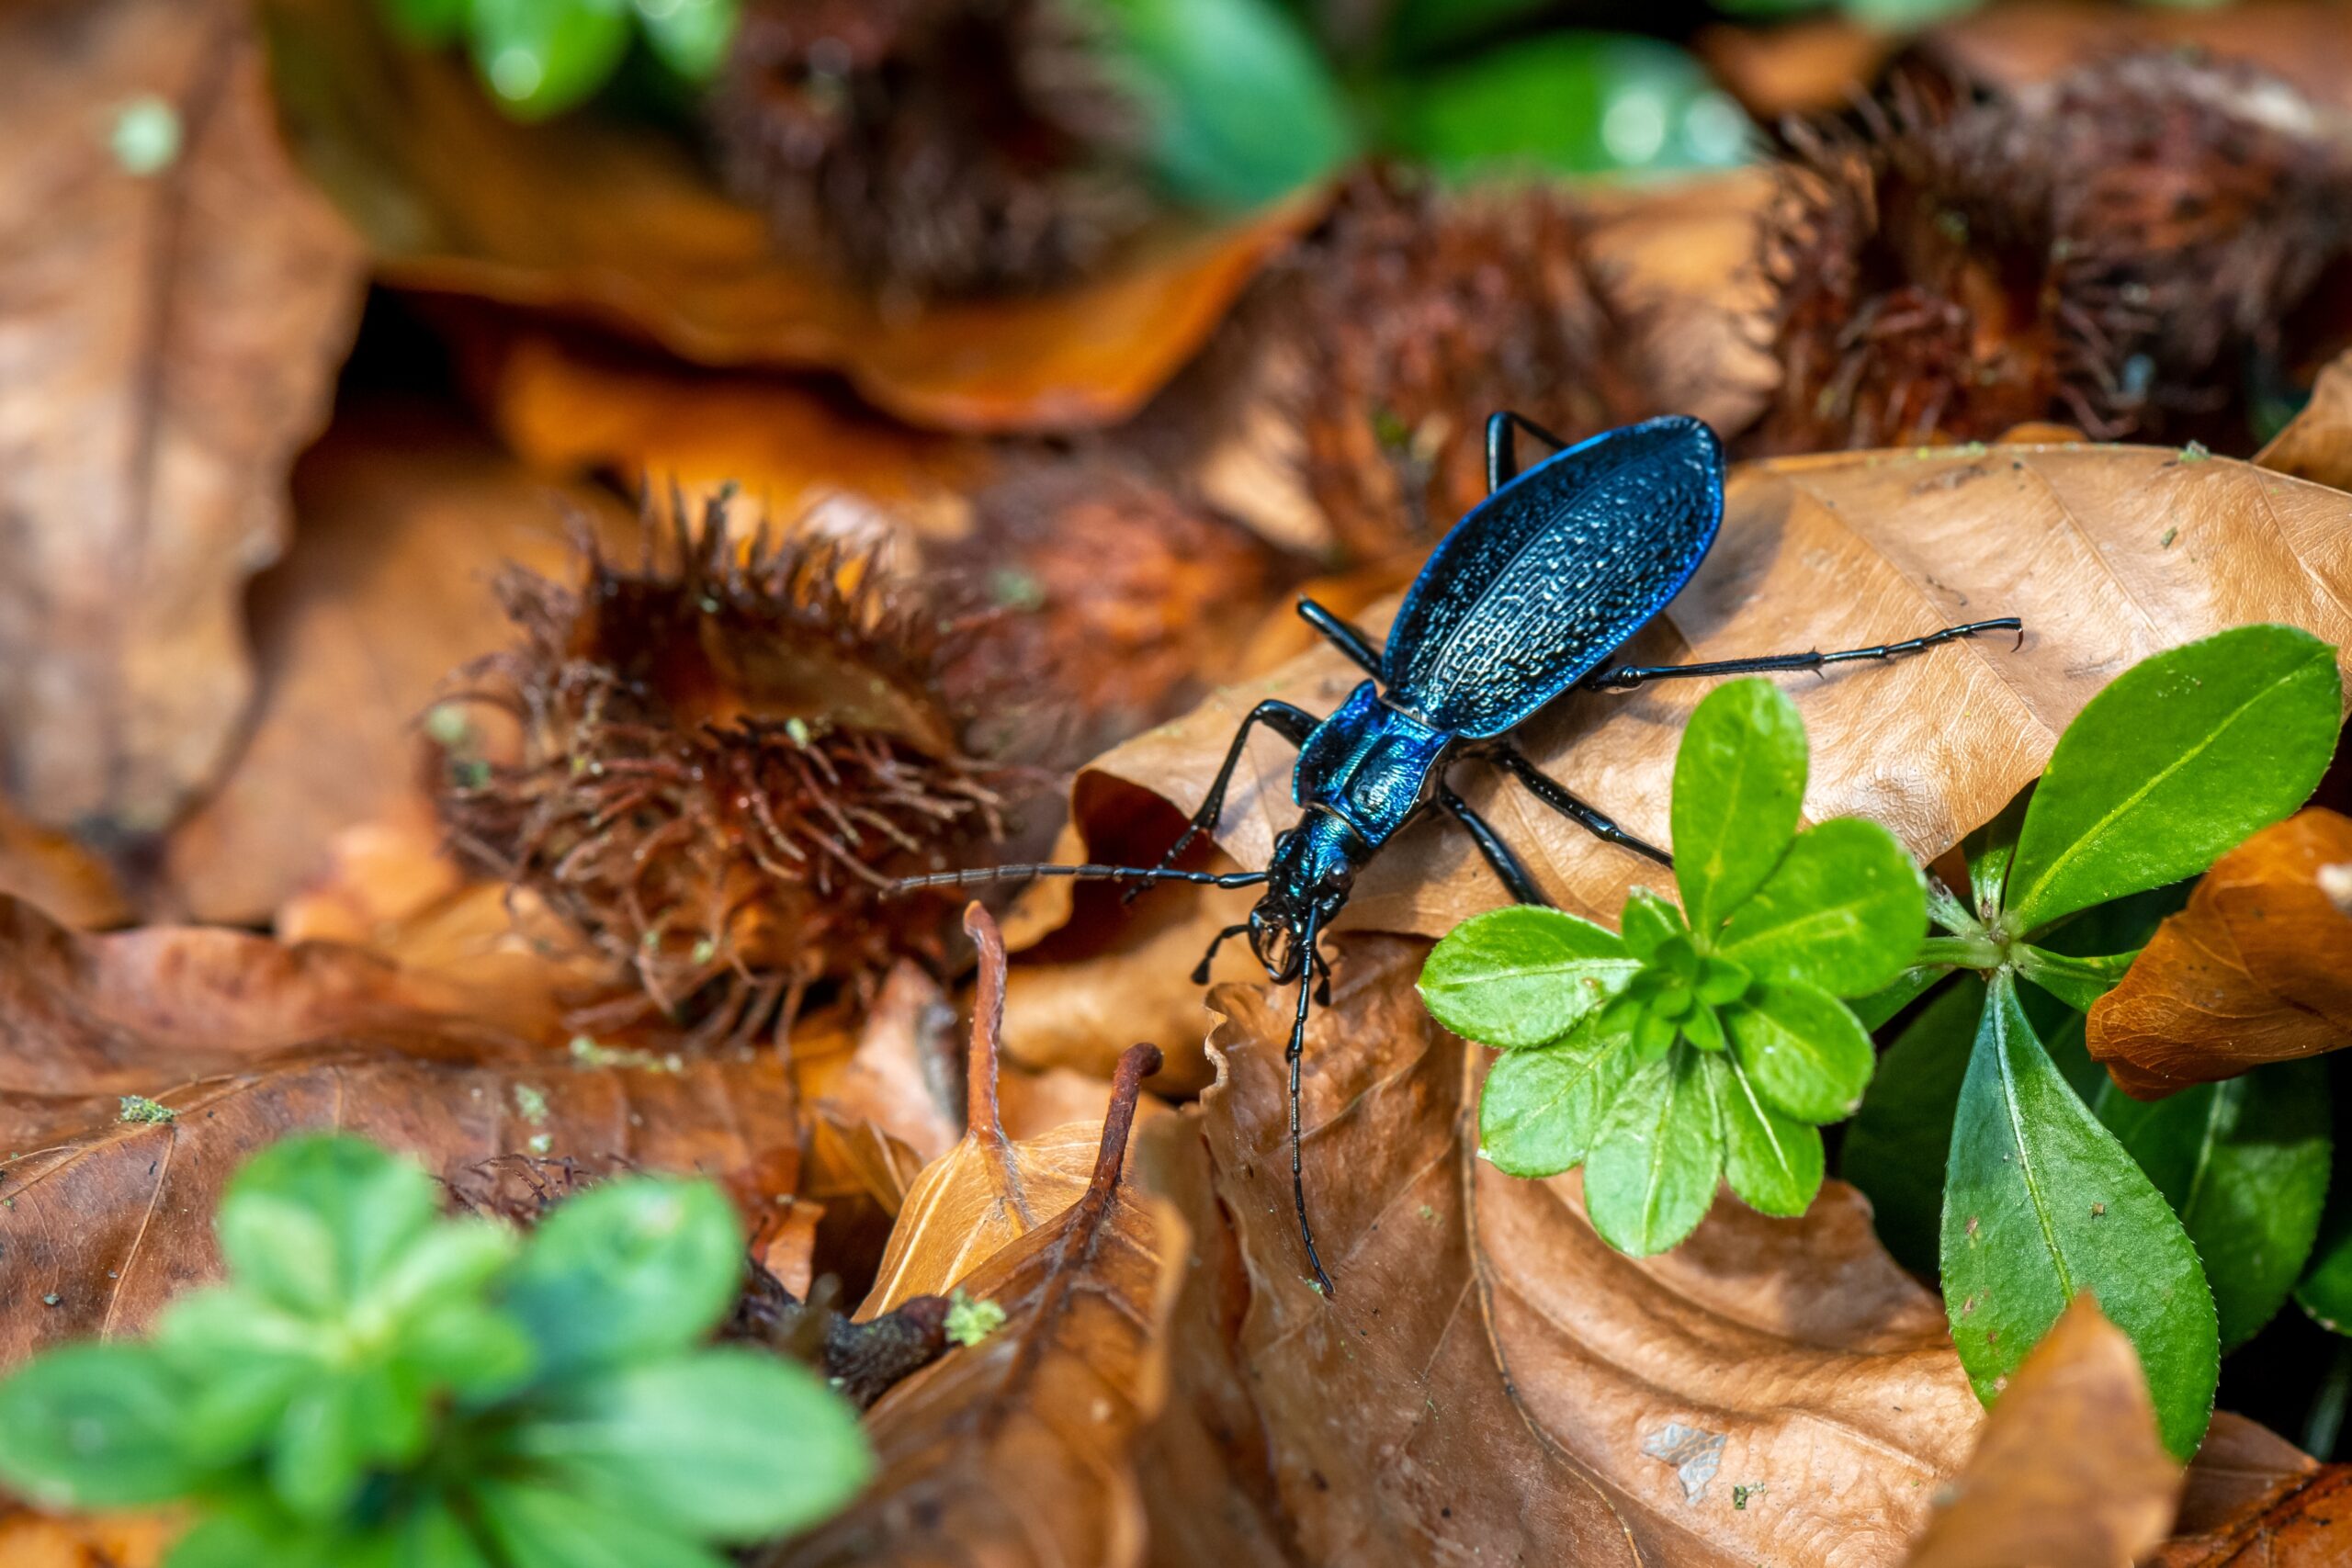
{"x": 1083, "y": 872}
{"x": 1297, "y": 1050}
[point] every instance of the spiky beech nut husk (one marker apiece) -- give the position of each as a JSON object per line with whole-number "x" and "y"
{"x": 725, "y": 757}
{"x": 1123, "y": 598}
{"x": 2102, "y": 251}
{"x": 930, "y": 146}
{"x": 1416, "y": 312}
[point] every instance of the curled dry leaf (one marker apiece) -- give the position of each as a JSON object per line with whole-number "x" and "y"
{"x": 591, "y": 218}
{"x": 1019, "y": 1451}
{"x": 989, "y": 1190}
{"x": 104, "y": 1213}
{"x": 58, "y": 873}
{"x": 2317, "y": 443}
{"x": 1508, "y": 1376}
{"x": 2068, "y": 1469}
{"x": 2109, "y": 554}
{"x": 2257, "y": 968}
{"x": 29, "y": 1540}
{"x": 2307, "y": 1524}
{"x": 172, "y": 335}
{"x": 406, "y": 516}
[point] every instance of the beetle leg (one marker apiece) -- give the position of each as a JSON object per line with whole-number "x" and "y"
{"x": 1201, "y": 970}
{"x": 1293, "y": 724}
{"x": 1490, "y": 844}
{"x": 1627, "y": 677}
{"x": 1502, "y": 456}
{"x": 1351, "y": 640}
{"x": 1548, "y": 790}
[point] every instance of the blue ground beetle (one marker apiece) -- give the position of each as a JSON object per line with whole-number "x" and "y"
{"x": 1524, "y": 600}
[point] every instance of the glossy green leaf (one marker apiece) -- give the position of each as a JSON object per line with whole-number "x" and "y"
{"x": 1900, "y": 1140}
{"x": 94, "y": 1427}
{"x": 320, "y": 1450}
{"x": 1239, "y": 106}
{"x": 537, "y": 1526}
{"x": 2042, "y": 1202}
{"x": 1772, "y": 1161}
{"x": 1566, "y": 103}
{"x": 1649, "y": 921}
{"x": 2179, "y": 759}
{"x": 1540, "y": 1107}
{"x": 425, "y": 23}
{"x": 313, "y": 1224}
{"x": 727, "y": 1445}
{"x": 690, "y": 36}
{"x": 541, "y": 57}
{"x": 1738, "y": 789}
{"x": 632, "y": 1269}
{"x": 2325, "y": 1290}
{"x": 1880, "y": 1007}
{"x": 1651, "y": 1174}
{"x": 2077, "y": 982}
{"x": 1845, "y": 910}
{"x": 1523, "y": 975}
{"x": 1807, "y": 1056}
{"x": 1989, "y": 851}
{"x": 2244, "y": 1164}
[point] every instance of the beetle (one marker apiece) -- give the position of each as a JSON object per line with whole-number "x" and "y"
{"x": 1527, "y": 598}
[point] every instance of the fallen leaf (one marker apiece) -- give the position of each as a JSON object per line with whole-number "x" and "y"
{"x": 2308, "y": 1525}
{"x": 989, "y": 1190}
{"x": 57, "y": 872}
{"x": 2109, "y": 554}
{"x": 104, "y": 1215}
{"x": 2014, "y": 47}
{"x": 2257, "y": 968}
{"x": 170, "y": 336}
{"x": 1018, "y": 1451}
{"x": 29, "y": 1540}
{"x": 1804, "y": 66}
{"x": 2317, "y": 443}
{"x": 589, "y": 217}
{"x": 405, "y": 518}
{"x": 1505, "y": 1375}
{"x": 2241, "y": 1471}
{"x": 2069, "y": 1468}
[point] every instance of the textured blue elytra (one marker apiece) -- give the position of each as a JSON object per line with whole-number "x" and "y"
{"x": 1367, "y": 764}
{"x": 1551, "y": 574}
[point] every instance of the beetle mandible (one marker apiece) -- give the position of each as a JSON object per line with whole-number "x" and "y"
{"x": 1524, "y": 599}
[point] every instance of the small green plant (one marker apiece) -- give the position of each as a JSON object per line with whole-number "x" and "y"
{"x": 1988, "y": 1127}
{"x": 541, "y": 57}
{"x": 1702, "y": 1043}
{"x": 376, "y": 1384}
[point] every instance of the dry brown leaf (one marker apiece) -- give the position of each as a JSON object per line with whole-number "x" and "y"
{"x": 2069, "y": 1470}
{"x": 29, "y": 1540}
{"x": 2240, "y": 1472}
{"x": 171, "y": 342}
{"x": 1505, "y": 1376}
{"x": 58, "y": 873}
{"x": 2307, "y": 1524}
{"x": 1017, "y": 1451}
{"x": 2257, "y": 968}
{"x": 590, "y": 219}
{"x": 2317, "y": 443}
{"x": 2109, "y": 554}
{"x": 1808, "y": 66}
{"x": 2016, "y": 46}
{"x": 102, "y": 1219}
{"x": 405, "y": 519}
{"x": 989, "y": 1190}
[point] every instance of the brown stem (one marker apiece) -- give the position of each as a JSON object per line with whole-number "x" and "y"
{"x": 981, "y": 1115}
{"x": 1137, "y": 1063}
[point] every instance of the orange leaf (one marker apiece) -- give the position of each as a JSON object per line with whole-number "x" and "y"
{"x": 589, "y": 217}
{"x": 2317, "y": 443}
{"x": 2257, "y": 968}
{"x": 172, "y": 340}
{"x": 2069, "y": 1468}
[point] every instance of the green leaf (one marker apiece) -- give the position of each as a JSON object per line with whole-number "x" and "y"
{"x": 2180, "y": 757}
{"x": 94, "y": 1427}
{"x": 1422, "y": 27}
{"x": 2244, "y": 1164}
{"x": 1523, "y": 975}
{"x": 541, "y": 57}
{"x": 630, "y": 1271}
{"x": 1566, "y": 103}
{"x": 2042, "y": 1202}
{"x": 537, "y": 1526}
{"x": 1772, "y": 1161}
{"x": 1648, "y": 922}
{"x": 1805, "y": 1052}
{"x": 2325, "y": 1291}
{"x": 1738, "y": 787}
{"x": 1880, "y": 1007}
{"x": 1989, "y": 851}
{"x": 423, "y": 24}
{"x": 320, "y": 1451}
{"x": 1241, "y": 107}
{"x": 1844, "y": 910}
{"x": 2077, "y": 982}
{"x": 313, "y": 1224}
{"x": 1651, "y": 1174}
{"x": 728, "y": 1445}
{"x": 690, "y": 36}
{"x": 1540, "y": 1107}
{"x": 1901, "y": 1139}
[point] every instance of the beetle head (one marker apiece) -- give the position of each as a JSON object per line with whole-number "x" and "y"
{"x": 1307, "y": 881}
